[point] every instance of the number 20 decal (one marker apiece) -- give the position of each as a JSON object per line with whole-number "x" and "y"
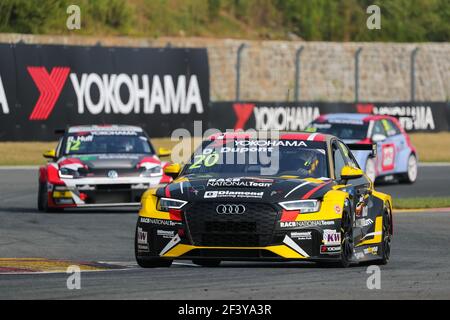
{"x": 207, "y": 160}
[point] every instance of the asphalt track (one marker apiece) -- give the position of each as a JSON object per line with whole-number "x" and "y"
{"x": 419, "y": 266}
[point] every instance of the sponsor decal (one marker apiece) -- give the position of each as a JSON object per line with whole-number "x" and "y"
{"x": 230, "y": 209}
{"x": 284, "y": 118}
{"x": 3, "y": 101}
{"x": 165, "y": 234}
{"x": 359, "y": 255}
{"x": 331, "y": 237}
{"x": 302, "y": 224}
{"x": 233, "y": 194}
{"x": 238, "y": 182}
{"x": 270, "y": 143}
{"x": 363, "y": 222}
{"x": 337, "y": 209}
{"x": 302, "y": 235}
{"x": 330, "y": 249}
{"x": 371, "y": 250}
{"x": 142, "y": 236}
{"x": 143, "y": 247}
{"x": 160, "y": 222}
{"x": 388, "y": 156}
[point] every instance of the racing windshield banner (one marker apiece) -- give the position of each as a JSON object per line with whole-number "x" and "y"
{"x": 295, "y": 116}
{"x": 47, "y": 87}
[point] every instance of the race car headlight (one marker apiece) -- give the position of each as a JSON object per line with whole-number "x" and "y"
{"x": 67, "y": 173}
{"x": 165, "y": 204}
{"x": 304, "y": 206}
{"x": 152, "y": 172}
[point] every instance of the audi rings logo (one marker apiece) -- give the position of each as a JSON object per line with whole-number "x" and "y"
{"x": 230, "y": 209}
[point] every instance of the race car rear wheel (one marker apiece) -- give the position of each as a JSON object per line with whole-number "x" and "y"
{"x": 207, "y": 262}
{"x": 149, "y": 262}
{"x": 386, "y": 236}
{"x": 411, "y": 175}
{"x": 346, "y": 238}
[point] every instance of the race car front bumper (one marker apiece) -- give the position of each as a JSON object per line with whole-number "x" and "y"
{"x": 99, "y": 192}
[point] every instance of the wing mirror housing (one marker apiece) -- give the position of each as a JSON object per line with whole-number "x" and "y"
{"x": 50, "y": 154}
{"x": 173, "y": 170}
{"x": 164, "y": 152}
{"x": 351, "y": 173}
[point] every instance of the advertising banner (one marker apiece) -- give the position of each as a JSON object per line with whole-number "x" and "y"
{"x": 295, "y": 116}
{"x": 47, "y": 87}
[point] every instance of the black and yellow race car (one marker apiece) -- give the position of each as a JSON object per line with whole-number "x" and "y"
{"x": 296, "y": 196}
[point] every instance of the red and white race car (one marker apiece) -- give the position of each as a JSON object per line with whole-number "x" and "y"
{"x": 100, "y": 166}
{"x": 396, "y": 156}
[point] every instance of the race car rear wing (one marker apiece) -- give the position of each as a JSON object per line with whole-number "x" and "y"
{"x": 372, "y": 147}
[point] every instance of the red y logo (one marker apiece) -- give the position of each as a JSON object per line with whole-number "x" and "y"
{"x": 50, "y": 87}
{"x": 243, "y": 112}
{"x": 364, "y": 108}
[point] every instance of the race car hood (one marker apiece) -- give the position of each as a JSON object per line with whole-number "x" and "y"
{"x": 98, "y": 163}
{"x": 246, "y": 189}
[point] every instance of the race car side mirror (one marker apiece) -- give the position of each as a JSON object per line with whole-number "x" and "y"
{"x": 349, "y": 173}
{"x": 163, "y": 152}
{"x": 173, "y": 170}
{"x": 378, "y": 137}
{"x": 51, "y": 154}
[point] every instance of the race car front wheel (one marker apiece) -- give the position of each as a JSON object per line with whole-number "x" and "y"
{"x": 43, "y": 198}
{"x": 149, "y": 262}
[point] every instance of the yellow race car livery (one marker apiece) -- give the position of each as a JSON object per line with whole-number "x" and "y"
{"x": 298, "y": 196}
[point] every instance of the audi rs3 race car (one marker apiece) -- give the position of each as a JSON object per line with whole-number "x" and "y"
{"x": 397, "y": 157}
{"x": 100, "y": 166}
{"x": 242, "y": 196}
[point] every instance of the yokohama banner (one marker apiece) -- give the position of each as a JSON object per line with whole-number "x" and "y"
{"x": 290, "y": 116}
{"x": 49, "y": 87}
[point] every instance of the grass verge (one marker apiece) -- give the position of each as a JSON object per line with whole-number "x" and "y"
{"x": 422, "y": 203}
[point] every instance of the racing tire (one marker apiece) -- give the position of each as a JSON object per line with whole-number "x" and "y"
{"x": 209, "y": 263}
{"x": 346, "y": 238}
{"x": 150, "y": 262}
{"x": 411, "y": 175}
{"x": 386, "y": 238}
{"x": 370, "y": 169}
{"x": 43, "y": 199}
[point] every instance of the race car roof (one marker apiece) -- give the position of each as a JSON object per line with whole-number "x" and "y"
{"x": 113, "y": 127}
{"x": 264, "y": 135}
{"x": 351, "y": 117}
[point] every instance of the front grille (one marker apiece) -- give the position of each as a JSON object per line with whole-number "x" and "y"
{"x": 230, "y": 254}
{"x": 254, "y": 228}
{"x": 113, "y": 187}
{"x": 122, "y": 172}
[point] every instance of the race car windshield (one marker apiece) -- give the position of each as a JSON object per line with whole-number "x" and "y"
{"x": 260, "y": 157}
{"x": 345, "y": 131}
{"x": 107, "y": 142}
